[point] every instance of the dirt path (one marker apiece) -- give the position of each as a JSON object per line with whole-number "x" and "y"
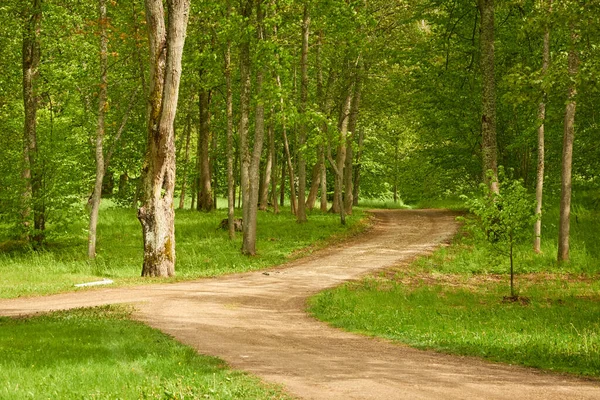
{"x": 256, "y": 322}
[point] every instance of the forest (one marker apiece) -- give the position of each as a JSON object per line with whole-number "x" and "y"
{"x": 271, "y": 102}
{"x": 425, "y": 171}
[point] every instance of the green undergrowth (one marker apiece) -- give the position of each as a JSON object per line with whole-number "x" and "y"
{"x": 100, "y": 354}
{"x": 203, "y": 250}
{"x": 457, "y": 300}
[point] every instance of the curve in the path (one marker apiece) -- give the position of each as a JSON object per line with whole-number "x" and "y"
{"x": 256, "y": 322}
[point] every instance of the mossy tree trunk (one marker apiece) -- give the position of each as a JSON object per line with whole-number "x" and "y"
{"x": 157, "y": 214}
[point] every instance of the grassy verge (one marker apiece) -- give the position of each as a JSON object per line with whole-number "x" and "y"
{"x": 202, "y": 250}
{"x": 453, "y": 301}
{"x": 100, "y": 354}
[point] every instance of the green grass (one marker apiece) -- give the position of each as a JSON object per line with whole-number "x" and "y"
{"x": 100, "y": 354}
{"x": 381, "y": 203}
{"x": 202, "y": 250}
{"x": 558, "y": 330}
{"x": 453, "y": 301}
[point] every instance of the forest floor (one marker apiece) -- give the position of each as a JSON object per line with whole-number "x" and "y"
{"x": 257, "y": 322}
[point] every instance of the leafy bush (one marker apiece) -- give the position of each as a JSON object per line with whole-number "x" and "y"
{"x": 504, "y": 219}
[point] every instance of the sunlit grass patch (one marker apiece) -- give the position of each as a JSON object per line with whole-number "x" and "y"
{"x": 558, "y": 329}
{"x": 202, "y": 249}
{"x": 99, "y": 353}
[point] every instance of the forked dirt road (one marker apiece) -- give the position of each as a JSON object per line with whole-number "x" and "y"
{"x": 256, "y": 323}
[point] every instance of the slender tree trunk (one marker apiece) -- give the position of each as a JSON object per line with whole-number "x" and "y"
{"x": 340, "y": 160}
{"x": 264, "y": 193}
{"x": 356, "y": 186}
{"x": 286, "y": 147}
{"x": 348, "y": 169}
{"x": 282, "y": 185}
{"x": 273, "y": 167}
{"x": 338, "y": 164}
{"x": 323, "y": 180}
{"x": 188, "y": 134}
{"x": 314, "y": 186}
{"x": 102, "y": 105}
{"x": 322, "y": 98}
{"x": 205, "y": 199}
{"x": 539, "y": 187}
{"x": 31, "y": 173}
{"x": 301, "y": 214}
{"x": 567, "y": 155}
{"x": 488, "y": 118}
{"x": 251, "y": 161}
{"x": 156, "y": 214}
{"x": 230, "y": 156}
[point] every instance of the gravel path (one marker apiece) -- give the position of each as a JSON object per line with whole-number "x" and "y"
{"x": 256, "y": 322}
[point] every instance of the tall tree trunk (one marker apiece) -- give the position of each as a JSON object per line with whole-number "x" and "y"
{"x": 301, "y": 214}
{"x": 338, "y": 164}
{"x": 322, "y": 98}
{"x": 186, "y": 160}
{"x": 567, "y": 155}
{"x": 539, "y": 187}
{"x": 314, "y": 186}
{"x": 205, "y": 199}
{"x": 273, "y": 166}
{"x": 230, "y": 156}
{"x": 286, "y": 147}
{"x": 31, "y": 174}
{"x": 356, "y": 185}
{"x": 282, "y": 185}
{"x": 348, "y": 169}
{"x": 488, "y": 118}
{"x": 323, "y": 180}
{"x": 340, "y": 159}
{"x": 251, "y": 161}
{"x": 156, "y": 214}
{"x": 102, "y": 105}
{"x": 264, "y": 193}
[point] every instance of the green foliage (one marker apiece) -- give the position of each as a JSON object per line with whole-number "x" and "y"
{"x": 99, "y": 353}
{"x": 503, "y": 219}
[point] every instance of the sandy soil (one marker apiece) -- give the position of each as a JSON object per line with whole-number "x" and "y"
{"x": 256, "y": 322}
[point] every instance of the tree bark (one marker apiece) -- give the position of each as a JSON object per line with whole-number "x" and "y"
{"x": 314, "y": 186}
{"x": 324, "y": 204}
{"x": 488, "y": 118}
{"x": 205, "y": 199}
{"x": 301, "y": 214}
{"x": 338, "y": 164}
{"x": 286, "y": 147}
{"x": 156, "y": 214}
{"x": 539, "y": 187}
{"x": 264, "y": 190}
{"x": 567, "y": 155}
{"x": 356, "y": 185}
{"x": 282, "y": 185}
{"x": 251, "y": 161}
{"x": 348, "y": 169}
{"x": 102, "y": 106}
{"x": 273, "y": 167}
{"x": 230, "y": 155}
{"x": 31, "y": 174}
{"x": 186, "y": 160}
